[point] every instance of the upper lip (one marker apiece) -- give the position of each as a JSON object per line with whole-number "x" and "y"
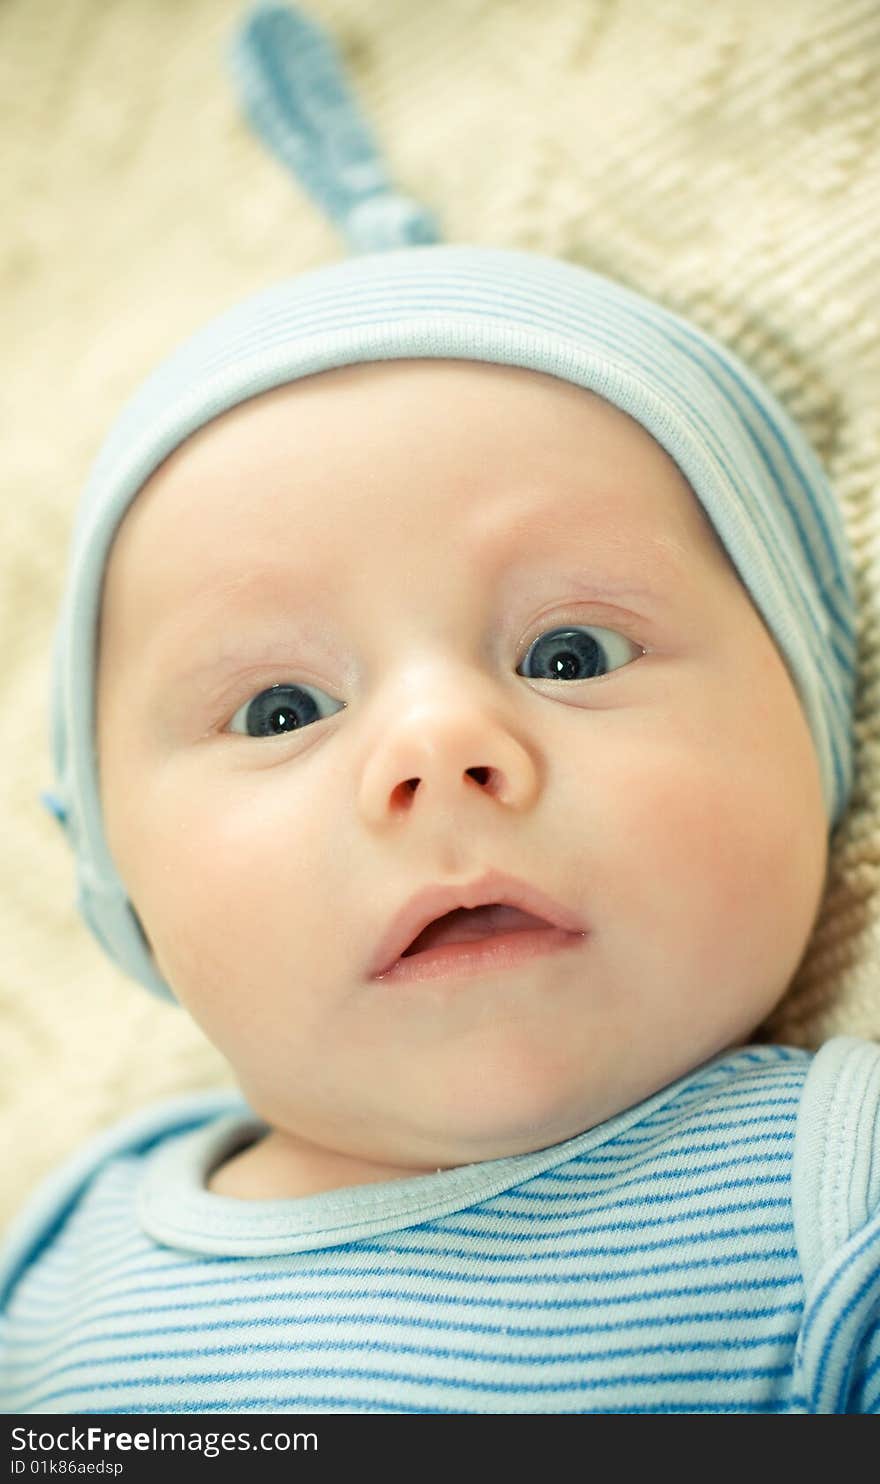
{"x": 436, "y": 900}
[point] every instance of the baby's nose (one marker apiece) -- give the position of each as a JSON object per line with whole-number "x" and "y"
{"x": 433, "y": 760}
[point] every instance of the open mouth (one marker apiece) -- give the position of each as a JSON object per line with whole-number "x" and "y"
{"x": 473, "y": 924}
{"x": 470, "y": 927}
{"x": 477, "y": 940}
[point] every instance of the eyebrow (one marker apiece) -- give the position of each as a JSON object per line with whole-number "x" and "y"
{"x": 504, "y": 521}
{"x": 618, "y": 568}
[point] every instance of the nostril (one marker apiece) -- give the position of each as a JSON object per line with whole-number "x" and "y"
{"x": 403, "y": 792}
{"x": 489, "y": 779}
{"x": 405, "y": 789}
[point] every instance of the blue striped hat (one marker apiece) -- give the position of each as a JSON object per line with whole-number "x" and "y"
{"x": 404, "y": 294}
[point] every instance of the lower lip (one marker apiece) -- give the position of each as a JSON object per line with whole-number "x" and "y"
{"x": 481, "y": 957}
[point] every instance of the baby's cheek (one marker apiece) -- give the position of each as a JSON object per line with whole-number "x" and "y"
{"x": 228, "y": 882}
{"x": 738, "y": 860}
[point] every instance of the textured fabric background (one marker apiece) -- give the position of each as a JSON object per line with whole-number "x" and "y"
{"x": 724, "y": 158}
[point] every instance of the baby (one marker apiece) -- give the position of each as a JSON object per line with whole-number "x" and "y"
{"x": 455, "y": 682}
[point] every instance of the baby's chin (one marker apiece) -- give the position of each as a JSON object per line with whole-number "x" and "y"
{"x": 492, "y": 1117}
{"x": 513, "y": 1110}
{"x": 529, "y": 1105}
{"x": 507, "y": 1079}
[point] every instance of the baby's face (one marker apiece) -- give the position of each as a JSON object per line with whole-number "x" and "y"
{"x": 395, "y": 546}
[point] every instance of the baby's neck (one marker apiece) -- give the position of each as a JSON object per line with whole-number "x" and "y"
{"x": 278, "y": 1167}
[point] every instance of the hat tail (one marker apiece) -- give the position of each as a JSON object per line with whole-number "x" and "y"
{"x": 294, "y": 92}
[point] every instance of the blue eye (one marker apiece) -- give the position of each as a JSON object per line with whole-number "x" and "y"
{"x": 577, "y": 654}
{"x": 280, "y": 709}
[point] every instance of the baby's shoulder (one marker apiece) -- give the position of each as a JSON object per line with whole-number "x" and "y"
{"x": 97, "y": 1171}
{"x": 836, "y": 1162}
{"x": 836, "y": 1208}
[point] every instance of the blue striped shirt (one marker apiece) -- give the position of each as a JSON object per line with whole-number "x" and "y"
{"x": 715, "y": 1249}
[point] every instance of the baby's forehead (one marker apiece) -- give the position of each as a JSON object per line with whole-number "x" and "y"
{"x": 452, "y": 497}
{"x": 440, "y": 447}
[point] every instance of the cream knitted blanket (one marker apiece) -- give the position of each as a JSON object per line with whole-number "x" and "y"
{"x": 723, "y": 158}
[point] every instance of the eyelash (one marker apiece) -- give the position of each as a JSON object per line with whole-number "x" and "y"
{"x": 244, "y": 710}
